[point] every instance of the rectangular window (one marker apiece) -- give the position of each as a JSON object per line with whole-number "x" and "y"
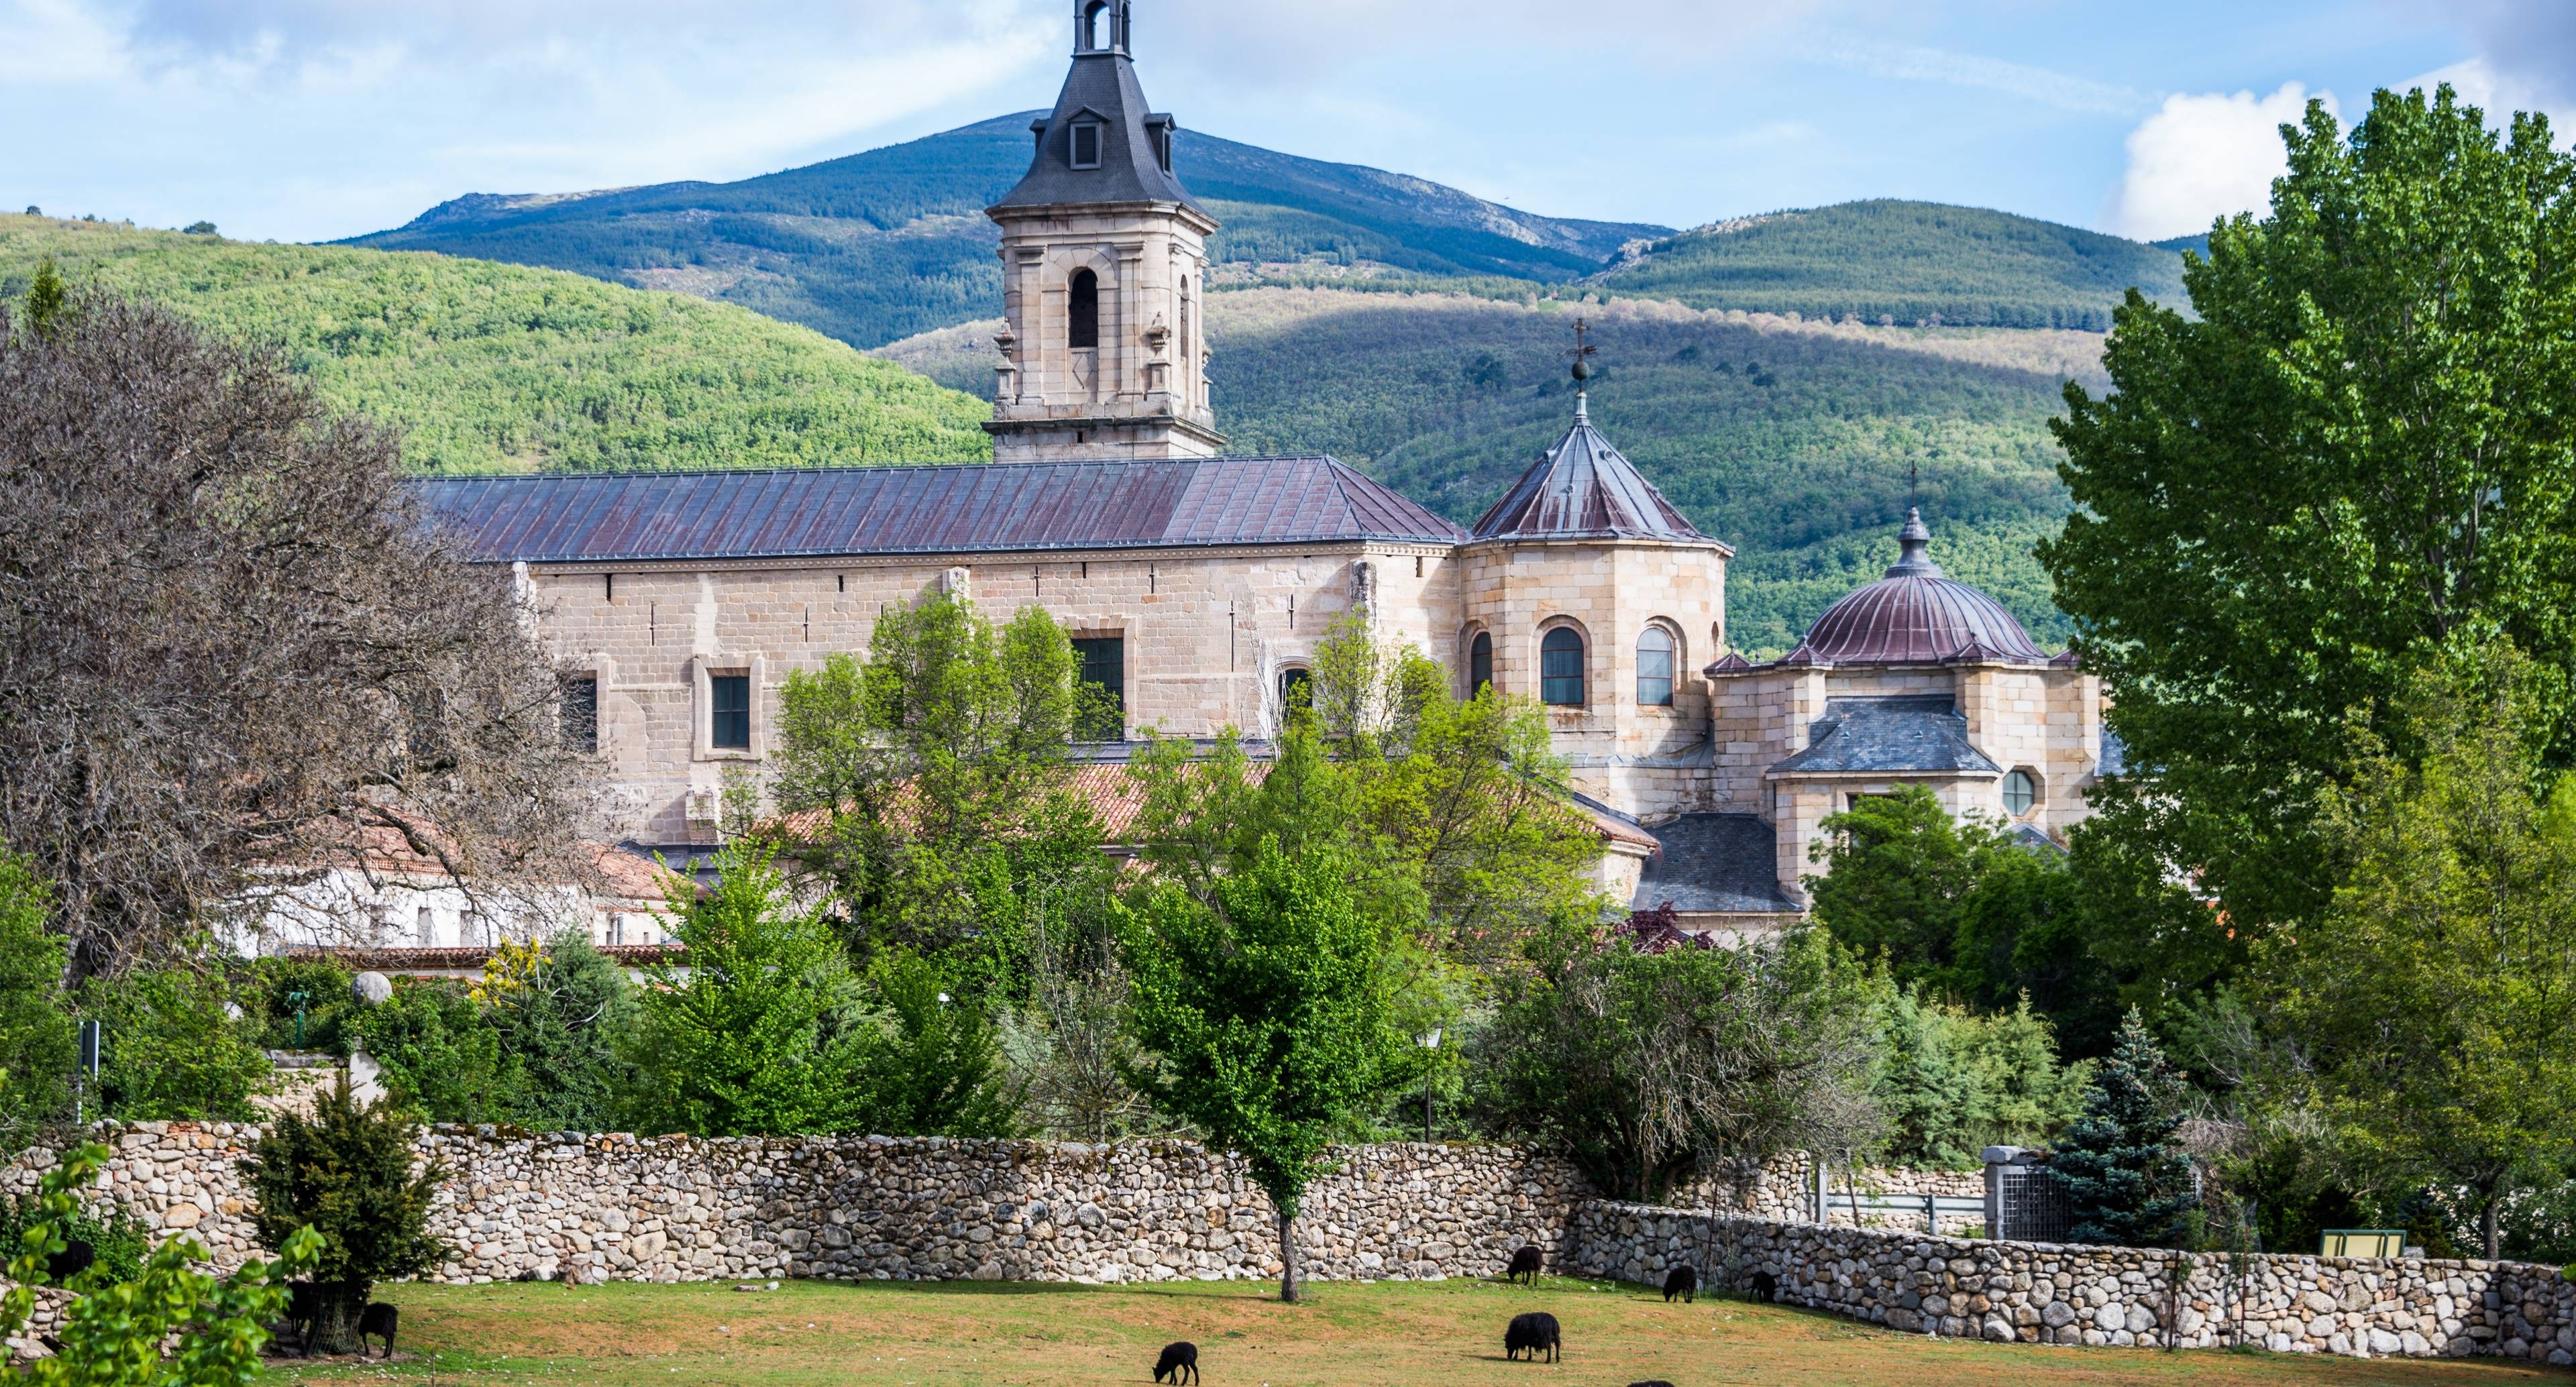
{"x": 729, "y": 712}
{"x": 1086, "y": 145}
{"x": 579, "y": 702}
{"x": 1103, "y": 674}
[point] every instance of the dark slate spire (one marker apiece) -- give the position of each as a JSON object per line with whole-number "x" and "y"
{"x": 1584, "y": 489}
{"x": 1913, "y": 545}
{"x": 1132, "y": 161}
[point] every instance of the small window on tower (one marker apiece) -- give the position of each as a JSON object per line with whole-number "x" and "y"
{"x": 1163, "y": 147}
{"x": 580, "y": 709}
{"x": 1082, "y": 311}
{"x": 1086, "y": 144}
{"x": 1480, "y": 664}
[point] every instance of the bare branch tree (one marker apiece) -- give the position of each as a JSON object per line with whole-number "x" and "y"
{"x": 235, "y": 652}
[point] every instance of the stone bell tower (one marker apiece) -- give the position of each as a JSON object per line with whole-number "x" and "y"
{"x": 1104, "y": 275}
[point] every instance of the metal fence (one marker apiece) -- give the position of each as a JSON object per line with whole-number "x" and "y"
{"x": 2029, "y": 1205}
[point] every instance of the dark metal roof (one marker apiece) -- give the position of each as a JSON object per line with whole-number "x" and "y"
{"x": 1715, "y": 862}
{"x": 1914, "y": 615}
{"x": 963, "y": 508}
{"x": 1102, "y": 86}
{"x": 1584, "y": 489}
{"x": 1889, "y": 734}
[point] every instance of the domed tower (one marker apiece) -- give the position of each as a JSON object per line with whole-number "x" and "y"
{"x": 1915, "y": 679}
{"x": 1104, "y": 274}
{"x": 1585, "y": 589}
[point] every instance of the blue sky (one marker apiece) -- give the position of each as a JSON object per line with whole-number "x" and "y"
{"x": 312, "y": 119}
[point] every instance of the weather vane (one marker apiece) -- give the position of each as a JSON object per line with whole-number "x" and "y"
{"x": 1913, "y": 491}
{"x": 1583, "y": 352}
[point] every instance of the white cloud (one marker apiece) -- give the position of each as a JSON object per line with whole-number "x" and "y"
{"x": 2204, "y": 156}
{"x": 2044, "y": 86}
{"x": 2524, "y": 51}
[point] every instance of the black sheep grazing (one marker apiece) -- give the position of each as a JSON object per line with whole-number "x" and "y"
{"x": 1651, "y": 1382}
{"x": 1177, "y": 1359}
{"x": 1766, "y": 1288}
{"x": 1534, "y": 1332}
{"x": 1681, "y": 1281}
{"x": 75, "y": 1258}
{"x": 377, "y": 1321}
{"x": 1525, "y": 1262}
{"x": 303, "y": 1306}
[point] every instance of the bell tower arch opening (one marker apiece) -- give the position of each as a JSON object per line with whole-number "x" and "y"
{"x": 1082, "y": 312}
{"x": 1100, "y": 26}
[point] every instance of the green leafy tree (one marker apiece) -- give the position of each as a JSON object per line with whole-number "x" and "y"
{"x": 2127, "y": 1183}
{"x": 37, "y": 1036}
{"x": 1900, "y": 871}
{"x": 563, "y": 1029}
{"x": 2432, "y": 998}
{"x": 439, "y": 1054}
{"x": 268, "y": 996}
{"x": 1951, "y": 1081}
{"x": 2340, "y": 458}
{"x": 170, "y": 1324}
{"x": 766, "y": 1030}
{"x": 1268, "y": 1003}
{"x": 350, "y": 1173}
{"x": 935, "y": 1065}
{"x": 930, "y": 783}
{"x": 172, "y": 1049}
{"x": 1646, "y": 1067}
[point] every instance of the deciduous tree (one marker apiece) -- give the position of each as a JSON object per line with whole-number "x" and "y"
{"x": 2350, "y": 452}
{"x": 234, "y": 651}
{"x": 1268, "y": 1003}
{"x": 2432, "y": 998}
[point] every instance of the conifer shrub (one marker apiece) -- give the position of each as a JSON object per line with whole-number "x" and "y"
{"x": 2127, "y": 1183}
{"x": 349, "y": 1173}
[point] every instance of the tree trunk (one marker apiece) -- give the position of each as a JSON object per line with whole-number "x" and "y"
{"x": 337, "y": 1308}
{"x": 1287, "y": 1259}
{"x": 2491, "y": 1222}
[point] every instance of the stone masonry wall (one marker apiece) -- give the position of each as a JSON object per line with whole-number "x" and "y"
{"x": 2045, "y": 1293}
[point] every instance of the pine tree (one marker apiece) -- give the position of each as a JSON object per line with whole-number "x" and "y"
{"x": 46, "y": 299}
{"x": 2126, "y": 1182}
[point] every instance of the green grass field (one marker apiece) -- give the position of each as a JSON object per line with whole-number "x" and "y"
{"x": 1446, "y": 1334}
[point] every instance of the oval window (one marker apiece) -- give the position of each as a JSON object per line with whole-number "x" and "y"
{"x": 1560, "y": 667}
{"x": 2021, "y": 793}
{"x": 1655, "y": 667}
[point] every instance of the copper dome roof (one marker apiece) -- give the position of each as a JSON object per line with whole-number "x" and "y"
{"x": 1914, "y": 615}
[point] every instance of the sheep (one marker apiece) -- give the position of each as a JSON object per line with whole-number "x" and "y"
{"x": 1178, "y": 1359}
{"x": 1534, "y": 1332}
{"x": 377, "y": 1320}
{"x": 1525, "y": 1262}
{"x": 1682, "y": 1281}
{"x": 76, "y": 1257}
{"x": 1651, "y": 1382}
{"x": 1766, "y": 1287}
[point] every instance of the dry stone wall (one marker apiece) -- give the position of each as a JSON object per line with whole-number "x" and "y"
{"x": 2045, "y": 1293}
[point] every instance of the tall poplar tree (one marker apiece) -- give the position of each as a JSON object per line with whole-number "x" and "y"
{"x": 2356, "y": 448}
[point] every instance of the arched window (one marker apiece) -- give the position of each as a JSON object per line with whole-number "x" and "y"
{"x": 1296, "y": 690}
{"x": 2021, "y": 793}
{"x": 1560, "y": 667}
{"x": 1655, "y": 667}
{"x": 1082, "y": 311}
{"x": 1480, "y": 663}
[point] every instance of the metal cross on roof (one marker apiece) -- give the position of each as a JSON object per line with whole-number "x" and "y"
{"x": 1583, "y": 351}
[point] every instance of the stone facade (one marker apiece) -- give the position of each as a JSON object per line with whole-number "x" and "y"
{"x": 2042, "y": 1293}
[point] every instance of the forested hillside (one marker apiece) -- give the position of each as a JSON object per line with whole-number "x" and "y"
{"x": 486, "y": 366}
{"x": 1789, "y": 440}
{"x": 893, "y": 241}
{"x": 1905, "y": 263}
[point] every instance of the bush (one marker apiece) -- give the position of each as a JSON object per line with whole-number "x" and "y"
{"x": 347, "y": 1173}
{"x": 124, "y": 1335}
{"x": 266, "y": 991}
{"x": 171, "y": 1048}
{"x": 559, "y": 1025}
{"x": 2127, "y": 1184}
{"x": 1951, "y": 1081}
{"x": 439, "y": 1057}
{"x": 935, "y": 1068}
{"x": 1645, "y": 1067}
{"x": 37, "y": 1043}
{"x": 120, "y": 1240}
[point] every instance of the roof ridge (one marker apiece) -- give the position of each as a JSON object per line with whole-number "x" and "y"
{"x": 825, "y": 469}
